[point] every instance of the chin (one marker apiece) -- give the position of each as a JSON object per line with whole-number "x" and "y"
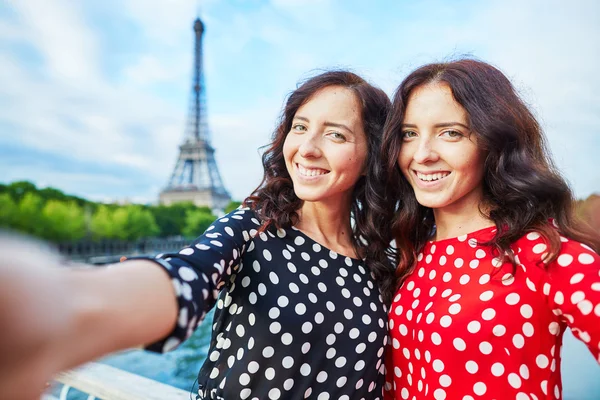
{"x": 431, "y": 203}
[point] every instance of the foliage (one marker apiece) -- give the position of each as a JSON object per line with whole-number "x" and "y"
{"x": 29, "y": 214}
{"x": 588, "y": 210}
{"x": 8, "y": 211}
{"x": 171, "y": 220}
{"x": 62, "y": 221}
{"x": 197, "y": 221}
{"x": 232, "y": 206}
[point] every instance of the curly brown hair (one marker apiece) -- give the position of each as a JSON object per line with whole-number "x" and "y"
{"x": 521, "y": 186}
{"x": 276, "y": 203}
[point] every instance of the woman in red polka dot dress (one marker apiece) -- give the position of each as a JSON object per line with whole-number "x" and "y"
{"x": 493, "y": 267}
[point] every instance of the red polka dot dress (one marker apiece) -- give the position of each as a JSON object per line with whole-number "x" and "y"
{"x": 464, "y": 327}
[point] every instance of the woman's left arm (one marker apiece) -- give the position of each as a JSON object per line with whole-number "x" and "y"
{"x": 572, "y": 287}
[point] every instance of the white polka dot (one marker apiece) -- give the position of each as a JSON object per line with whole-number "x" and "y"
{"x": 542, "y": 361}
{"x": 464, "y": 279}
{"x": 445, "y": 381}
{"x": 479, "y": 388}
{"x": 528, "y": 329}
{"x": 305, "y": 369}
{"x": 275, "y": 327}
{"x": 577, "y": 297}
{"x": 576, "y": 278}
{"x": 485, "y": 347}
{"x": 539, "y": 248}
{"x": 519, "y": 341}
{"x": 459, "y": 344}
{"x": 585, "y": 258}
{"x": 446, "y": 321}
{"x": 270, "y": 373}
{"x": 322, "y": 377}
{"x": 474, "y": 263}
{"x": 480, "y": 253}
{"x": 283, "y": 301}
{"x": 514, "y": 380}
{"x": 484, "y": 279}
{"x": 300, "y": 309}
{"x": 488, "y": 314}
{"x": 438, "y": 366}
{"x": 454, "y": 309}
{"x": 244, "y": 379}
{"x": 474, "y": 326}
{"x": 454, "y": 297}
{"x": 526, "y": 311}
{"x": 472, "y": 367}
{"x": 524, "y": 371}
{"x": 533, "y": 235}
{"x": 512, "y": 299}
{"x": 486, "y": 296}
{"x": 436, "y": 338}
{"x": 497, "y": 369}
{"x": 439, "y": 394}
{"x": 267, "y": 255}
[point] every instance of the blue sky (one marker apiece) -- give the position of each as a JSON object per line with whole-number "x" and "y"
{"x": 94, "y": 94}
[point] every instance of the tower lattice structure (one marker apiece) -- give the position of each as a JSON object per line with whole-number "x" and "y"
{"x": 196, "y": 177}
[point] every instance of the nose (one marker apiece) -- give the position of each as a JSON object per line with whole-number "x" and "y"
{"x": 425, "y": 151}
{"x": 310, "y": 146}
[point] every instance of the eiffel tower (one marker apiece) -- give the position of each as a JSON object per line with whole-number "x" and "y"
{"x": 196, "y": 177}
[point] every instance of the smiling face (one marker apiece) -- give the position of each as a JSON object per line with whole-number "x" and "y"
{"x": 326, "y": 149}
{"x": 439, "y": 155}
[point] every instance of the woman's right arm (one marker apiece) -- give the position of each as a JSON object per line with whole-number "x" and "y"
{"x": 53, "y": 318}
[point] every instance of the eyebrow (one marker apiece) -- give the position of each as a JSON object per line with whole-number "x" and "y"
{"x": 440, "y": 125}
{"x": 327, "y": 123}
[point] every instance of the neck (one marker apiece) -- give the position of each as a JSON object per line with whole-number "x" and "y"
{"x": 456, "y": 222}
{"x": 328, "y": 223}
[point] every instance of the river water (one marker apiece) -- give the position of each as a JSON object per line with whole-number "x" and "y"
{"x": 581, "y": 372}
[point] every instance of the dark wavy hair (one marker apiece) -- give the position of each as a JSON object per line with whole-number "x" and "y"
{"x": 521, "y": 187}
{"x": 276, "y": 203}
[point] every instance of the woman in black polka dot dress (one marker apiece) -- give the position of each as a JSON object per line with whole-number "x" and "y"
{"x": 299, "y": 312}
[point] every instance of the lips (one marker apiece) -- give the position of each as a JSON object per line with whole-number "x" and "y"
{"x": 431, "y": 177}
{"x": 310, "y": 171}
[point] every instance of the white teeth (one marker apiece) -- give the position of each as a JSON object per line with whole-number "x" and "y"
{"x": 432, "y": 177}
{"x": 310, "y": 171}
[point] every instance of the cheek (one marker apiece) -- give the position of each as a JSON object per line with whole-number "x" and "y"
{"x": 288, "y": 148}
{"x": 403, "y": 160}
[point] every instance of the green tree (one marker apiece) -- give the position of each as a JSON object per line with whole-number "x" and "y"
{"x": 102, "y": 225}
{"x": 8, "y": 211}
{"x": 197, "y": 221}
{"x": 139, "y": 223}
{"x": 20, "y": 188}
{"x": 63, "y": 220}
{"x": 232, "y": 206}
{"x": 171, "y": 219}
{"x": 29, "y": 214}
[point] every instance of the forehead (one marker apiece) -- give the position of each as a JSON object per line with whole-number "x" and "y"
{"x": 334, "y": 104}
{"x": 434, "y": 101}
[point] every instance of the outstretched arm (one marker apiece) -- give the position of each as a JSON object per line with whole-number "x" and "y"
{"x": 53, "y": 318}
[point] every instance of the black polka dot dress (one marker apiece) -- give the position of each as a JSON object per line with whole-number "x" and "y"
{"x": 294, "y": 320}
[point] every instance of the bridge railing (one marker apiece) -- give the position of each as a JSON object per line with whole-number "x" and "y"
{"x": 103, "y": 382}
{"x": 109, "y": 251}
